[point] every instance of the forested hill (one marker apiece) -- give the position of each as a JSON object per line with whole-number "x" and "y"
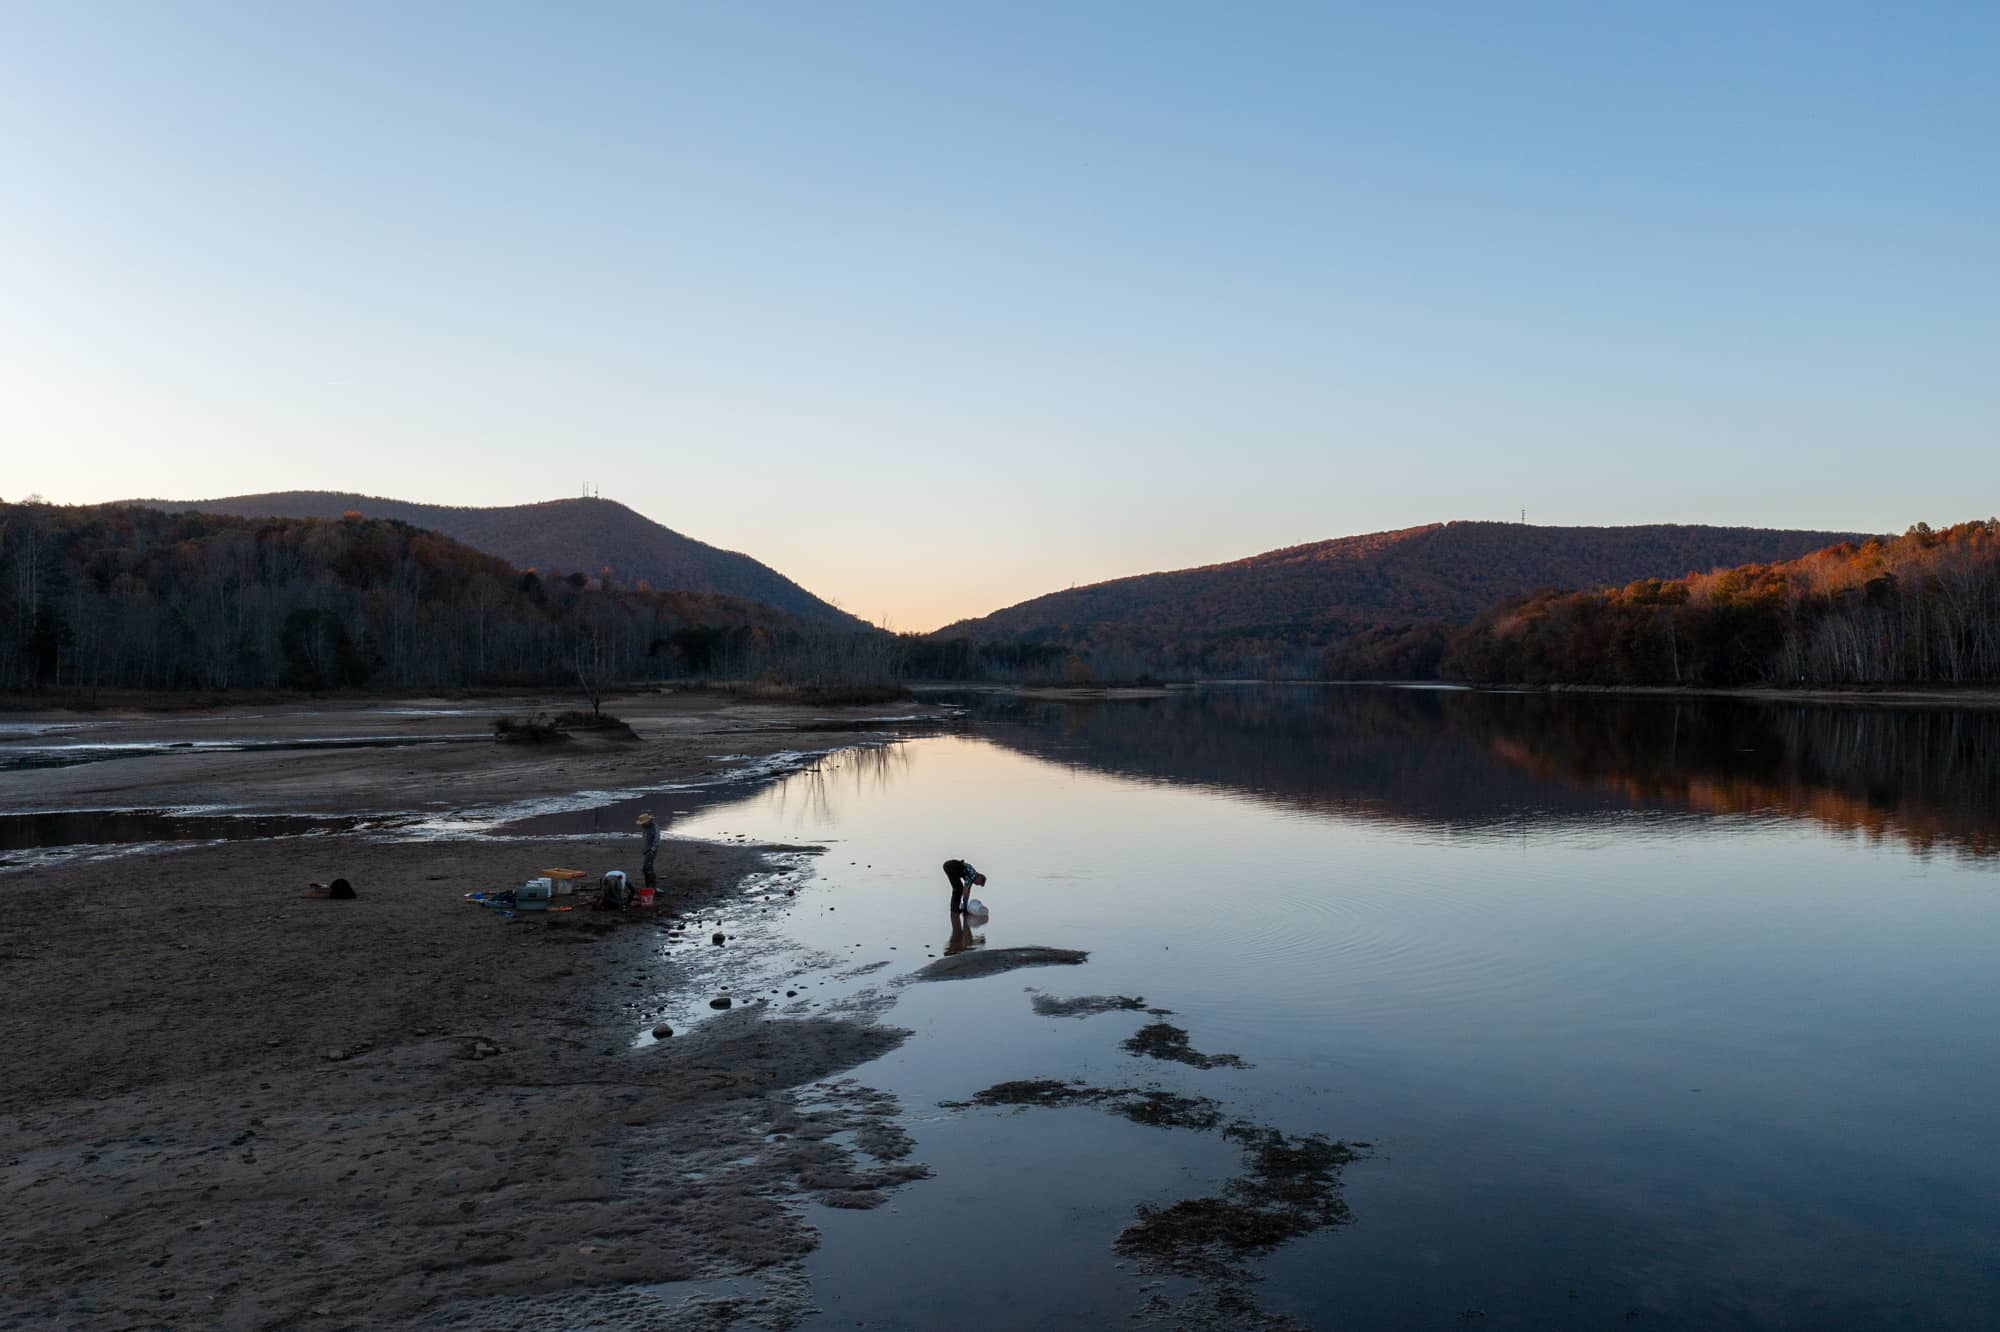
{"x": 557, "y": 537}
{"x": 1922, "y": 608}
{"x": 128, "y": 596}
{"x": 1330, "y": 594}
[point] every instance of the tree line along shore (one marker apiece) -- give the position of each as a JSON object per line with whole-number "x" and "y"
{"x": 1921, "y": 609}
{"x": 134, "y": 598}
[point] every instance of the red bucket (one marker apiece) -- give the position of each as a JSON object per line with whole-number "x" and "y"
{"x": 645, "y": 897}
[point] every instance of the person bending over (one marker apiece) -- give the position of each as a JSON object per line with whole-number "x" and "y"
{"x": 963, "y": 879}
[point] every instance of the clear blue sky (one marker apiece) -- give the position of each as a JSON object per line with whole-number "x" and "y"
{"x": 938, "y": 306}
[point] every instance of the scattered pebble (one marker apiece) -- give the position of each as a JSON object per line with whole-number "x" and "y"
{"x": 720, "y": 1001}
{"x": 661, "y": 1032}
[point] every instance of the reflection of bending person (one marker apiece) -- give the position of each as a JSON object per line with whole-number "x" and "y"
{"x": 963, "y": 879}
{"x": 962, "y": 936}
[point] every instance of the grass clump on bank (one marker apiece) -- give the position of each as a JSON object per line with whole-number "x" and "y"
{"x": 575, "y": 719}
{"x": 1141, "y": 1105}
{"x": 1290, "y": 1186}
{"x": 539, "y": 729}
{"x": 542, "y": 729}
{"x": 853, "y": 693}
{"x": 1047, "y": 1005}
{"x": 1163, "y": 1040}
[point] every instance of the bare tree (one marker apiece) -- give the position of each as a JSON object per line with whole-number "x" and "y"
{"x": 592, "y": 660}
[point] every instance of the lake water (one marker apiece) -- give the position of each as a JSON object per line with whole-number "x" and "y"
{"x": 1655, "y": 1014}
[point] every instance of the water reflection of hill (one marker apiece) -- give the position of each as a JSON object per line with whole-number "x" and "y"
{"x": 1384, "y": 753}
{"x": 1472, "y": 762}
{"x": 1927, "y": 777}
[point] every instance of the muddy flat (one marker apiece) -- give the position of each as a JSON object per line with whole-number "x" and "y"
{"x": 230, "y": 1105}
{"x": 349, "y": 757}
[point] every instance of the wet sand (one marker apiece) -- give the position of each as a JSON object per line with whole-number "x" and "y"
{"x": 680, "y": 737}
{"x": 228, "y": 1105}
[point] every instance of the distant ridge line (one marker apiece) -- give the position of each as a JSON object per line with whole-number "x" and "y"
{"x": 1319, "y": 594}
{"x": 576, "y": 534}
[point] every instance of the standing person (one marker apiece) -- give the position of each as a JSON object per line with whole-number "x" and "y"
{"x": 651, "y": 832}
{"x": 963, "y": 879}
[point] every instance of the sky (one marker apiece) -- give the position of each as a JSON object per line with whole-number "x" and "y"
{"x": 937, "y": 307}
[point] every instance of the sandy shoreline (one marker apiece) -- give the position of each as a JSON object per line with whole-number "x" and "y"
{"x": 231, "y": 1106}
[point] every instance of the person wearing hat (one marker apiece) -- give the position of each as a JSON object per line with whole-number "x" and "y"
{"x": 651, "y": 831}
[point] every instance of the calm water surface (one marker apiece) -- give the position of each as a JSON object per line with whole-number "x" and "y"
{"x": 1655, "y": 1014}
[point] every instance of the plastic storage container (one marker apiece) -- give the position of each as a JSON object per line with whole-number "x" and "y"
{"x": 565, "y": 880}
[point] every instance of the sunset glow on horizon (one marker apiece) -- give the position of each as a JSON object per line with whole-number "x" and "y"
{"x": 934, "y": 310}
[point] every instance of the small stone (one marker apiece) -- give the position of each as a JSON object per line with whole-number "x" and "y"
{"x": 662, "y": 1031}
{"x": 791, "y": 994}
{"x": 720, "y": 1001}
{"x": 716, "y": 938}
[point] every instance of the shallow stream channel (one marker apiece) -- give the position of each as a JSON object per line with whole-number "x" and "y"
{"x": 1370, "y": 1007}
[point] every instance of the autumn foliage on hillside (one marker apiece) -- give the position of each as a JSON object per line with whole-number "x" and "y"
{"x": 564, "y": 536}
{"x": 126, "y": 596}
{"x": 1920, "y": 608}
{"x": 1373, "y": 605}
